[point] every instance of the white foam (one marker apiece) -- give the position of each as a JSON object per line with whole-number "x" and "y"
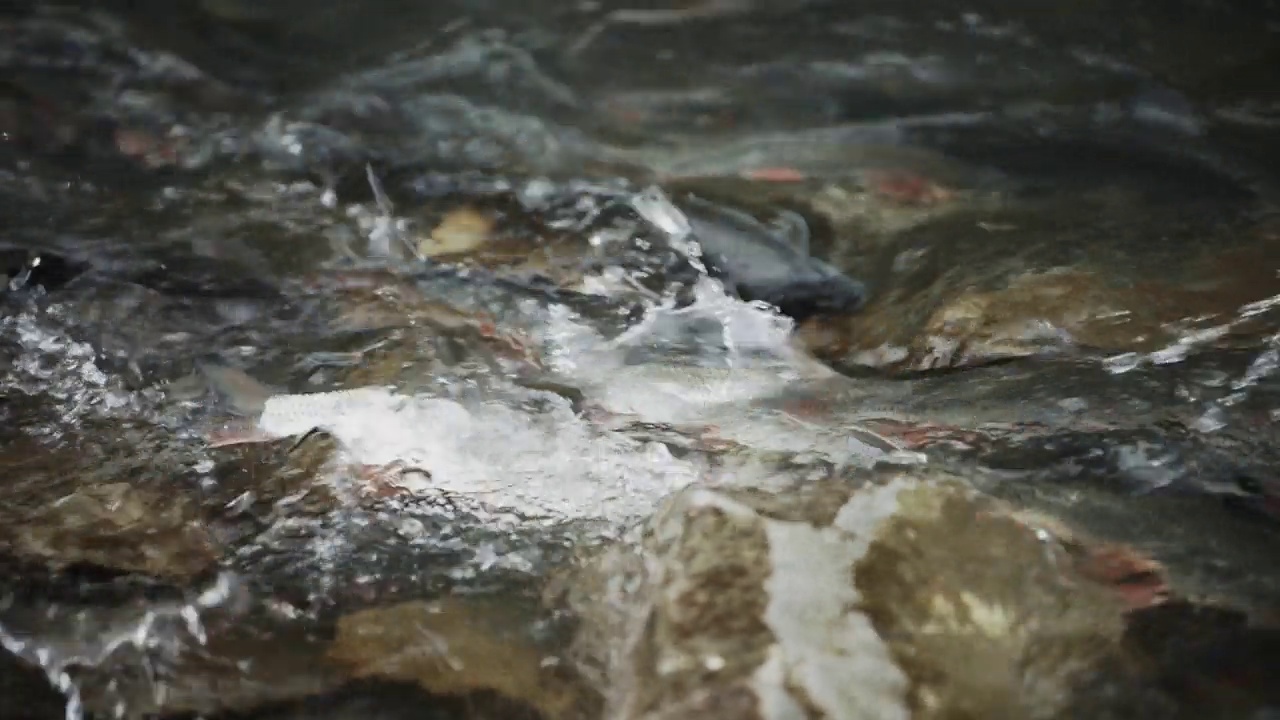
{"x": 66, "y": 371}
{"x": 825, "y": 646}
{"x": 547, "y": 464}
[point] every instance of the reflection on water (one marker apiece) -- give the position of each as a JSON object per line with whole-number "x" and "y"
{"x": 476, "y": 357}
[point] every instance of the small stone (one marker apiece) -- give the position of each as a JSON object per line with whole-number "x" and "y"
{"x": 462, "y": 230}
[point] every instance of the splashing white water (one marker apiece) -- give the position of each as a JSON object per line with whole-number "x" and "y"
{"x": 741, "y": 328}
{"x": 653, "y": 206}
{"x": 548, "y": 464}
{"x": 51, "y": 364}
{"x": 1181, "y": 348}
{"x": 64, "y": 639}
{"x": 1267, "y": 363}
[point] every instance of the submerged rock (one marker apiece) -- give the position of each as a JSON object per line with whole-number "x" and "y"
{"x": 116, "y": 525}
{"x": 81, "y": 505}
{"x": 907, "y": 598}
{"x": 984, "y": 286}
{"x": 455, "y": 647}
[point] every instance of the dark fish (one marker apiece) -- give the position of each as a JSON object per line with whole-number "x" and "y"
{"x": 757, "y": 262}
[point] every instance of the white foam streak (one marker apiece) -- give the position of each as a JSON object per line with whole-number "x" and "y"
{"x": 71, "y": 638}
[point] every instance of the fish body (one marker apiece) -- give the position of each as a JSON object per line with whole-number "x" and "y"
{"x": 756, "y": 263}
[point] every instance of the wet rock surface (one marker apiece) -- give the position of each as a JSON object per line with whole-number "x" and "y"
{"x": 728, "y": 359}
{"x": 904, "y": 595}
{"x": 1083, "y": 282}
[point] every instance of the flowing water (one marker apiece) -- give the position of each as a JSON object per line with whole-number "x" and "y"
{"x": 333, "y": 333}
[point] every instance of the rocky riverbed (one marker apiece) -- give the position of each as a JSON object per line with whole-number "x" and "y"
{"x": 723, "y": 359}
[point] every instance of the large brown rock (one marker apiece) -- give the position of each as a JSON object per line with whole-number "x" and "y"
{"x": 906, "y": 597}
{"x": 91, "y": 503}
{"x": 1086, "y": 274}
{"x": 455, "y": 647}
